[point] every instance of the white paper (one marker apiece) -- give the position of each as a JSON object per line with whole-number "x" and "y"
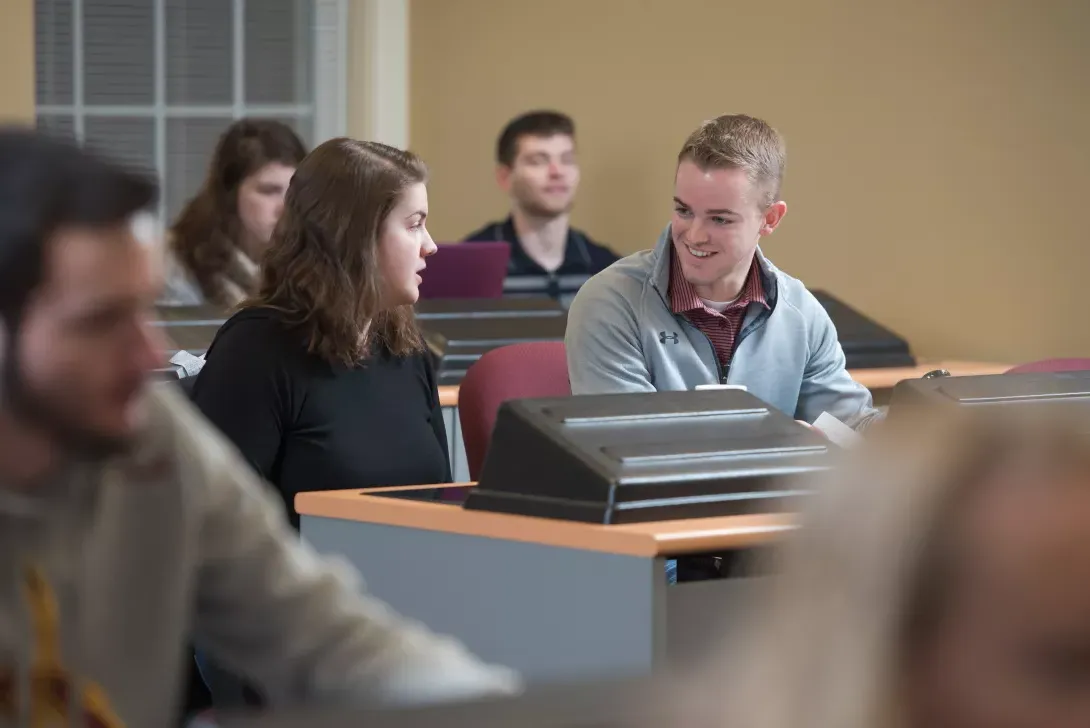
{"x": 740, "y": 387}
{"x": 190, "y": 364}
{"x": 837, "y": 431}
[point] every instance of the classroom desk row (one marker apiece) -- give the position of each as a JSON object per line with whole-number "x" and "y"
{"x": 194, "y": 339}
{"x": 879, "y": 381}
{"x": 556, "y": 600}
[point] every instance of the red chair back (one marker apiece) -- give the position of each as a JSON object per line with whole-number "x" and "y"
{"x": 520, "y": 371}
{"x": 1052, "y": 365}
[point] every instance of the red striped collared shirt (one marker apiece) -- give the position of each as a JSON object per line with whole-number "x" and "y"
{"x": 721, "y": 328}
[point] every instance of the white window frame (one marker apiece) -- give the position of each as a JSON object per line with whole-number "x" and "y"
{"x": 328, "y": 112}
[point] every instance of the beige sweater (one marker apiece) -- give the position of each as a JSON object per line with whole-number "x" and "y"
{"x": 180, "y": 288}
{"x": 114, "y": 567}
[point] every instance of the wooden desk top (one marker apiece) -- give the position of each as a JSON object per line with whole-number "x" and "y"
{"x": 869, "y": 378}
{"x": 448, "y": 395}
{"x": 660, "y": 538}
{"x": 887, "y": 378}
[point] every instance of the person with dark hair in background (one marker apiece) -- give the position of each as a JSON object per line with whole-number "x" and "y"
{"x": 537, "y": 168}
{"x": 218, "y": 239}
{"x": 129, "y": 525}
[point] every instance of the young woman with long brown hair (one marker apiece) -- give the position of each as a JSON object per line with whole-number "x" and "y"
{"x": 217, "y": 241}
{"x": 322, "y": 379}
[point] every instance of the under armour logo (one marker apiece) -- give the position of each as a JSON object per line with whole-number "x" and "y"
{"x": 664, "y": 337}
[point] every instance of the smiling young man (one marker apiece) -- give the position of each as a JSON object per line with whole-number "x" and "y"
{"x": 705, "y": 306}
{"x": 537, "y": 168}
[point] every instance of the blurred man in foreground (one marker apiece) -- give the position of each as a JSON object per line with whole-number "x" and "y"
{"x": 129, "y": 526}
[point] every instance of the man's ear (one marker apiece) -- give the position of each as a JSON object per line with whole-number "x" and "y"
{"x": 773, "y": 217}
{"x": 503, "y": 177}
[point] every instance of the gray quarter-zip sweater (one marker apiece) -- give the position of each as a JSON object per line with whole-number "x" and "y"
{"x": 622, "y": 336}
{"x": 113, "y": 567}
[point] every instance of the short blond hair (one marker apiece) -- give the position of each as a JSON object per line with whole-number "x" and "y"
{"x": 737, "y": 141}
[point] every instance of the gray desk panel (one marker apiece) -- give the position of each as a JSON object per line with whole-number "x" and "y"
{"x": 555, "y": 614}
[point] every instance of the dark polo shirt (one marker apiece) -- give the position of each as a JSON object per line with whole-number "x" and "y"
{"x": 525, "y": 277}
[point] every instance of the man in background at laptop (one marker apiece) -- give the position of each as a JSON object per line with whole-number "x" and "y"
{"x": 536, "y": 167}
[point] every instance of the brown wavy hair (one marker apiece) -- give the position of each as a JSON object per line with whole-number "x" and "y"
{"x": 322, "y": 266}
{"x": 204, "y": 235}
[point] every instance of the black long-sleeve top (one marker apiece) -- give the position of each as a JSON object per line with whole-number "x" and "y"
{"x": 306, "y": 424}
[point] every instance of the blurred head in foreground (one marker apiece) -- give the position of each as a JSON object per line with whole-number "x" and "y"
{"x": 941, "y": 580}
{"x": 77, "y": 288}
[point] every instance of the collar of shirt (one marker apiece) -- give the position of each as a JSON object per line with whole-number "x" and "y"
{"x": 522, "y": 264}
{"x": 683, "y": 297}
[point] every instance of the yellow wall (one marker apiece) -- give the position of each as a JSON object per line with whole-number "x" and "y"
{"x": 17, "y": 61}
{"x": 938, "y": 151}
